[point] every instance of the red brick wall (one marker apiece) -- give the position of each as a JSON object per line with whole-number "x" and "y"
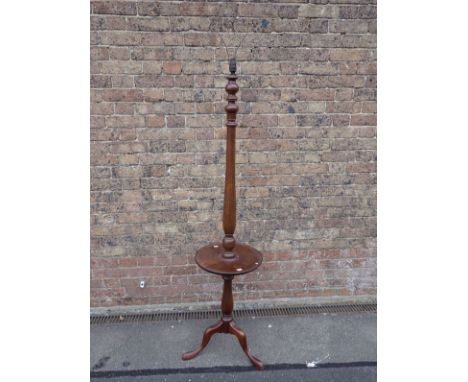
{"x": 306, "y": 153}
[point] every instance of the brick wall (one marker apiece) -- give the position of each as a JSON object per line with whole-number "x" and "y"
{"x": 306, "y": 152}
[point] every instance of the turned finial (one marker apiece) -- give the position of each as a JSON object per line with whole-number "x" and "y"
{"x": 232, "y": 65}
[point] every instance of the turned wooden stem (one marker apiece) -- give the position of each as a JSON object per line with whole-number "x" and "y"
{"x": 227, "y": 302}
{"x": 229, "y": 212}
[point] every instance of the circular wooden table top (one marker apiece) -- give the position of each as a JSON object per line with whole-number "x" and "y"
{"x": 246, "y": 259}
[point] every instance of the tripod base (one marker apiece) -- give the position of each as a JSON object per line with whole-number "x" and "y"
{"x": 224, "y": 326}
{"x": 210, "y": 258}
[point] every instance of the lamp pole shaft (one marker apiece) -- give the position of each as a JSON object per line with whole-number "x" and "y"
{"x": 229, "y": 211}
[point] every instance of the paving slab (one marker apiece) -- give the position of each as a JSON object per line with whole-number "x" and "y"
{"x": 346, "y": 342}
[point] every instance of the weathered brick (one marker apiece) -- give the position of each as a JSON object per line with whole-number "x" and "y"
{"x": 114, "y": 7}
{"x": 358, "y": 12}
{"x": 151, "y": 54}
{"x": 252, "y": 10}
{"x": 108, "y": 23}
{"x": 119, "y": 53}
{"x": 260, "y": 68}
{"x": 175, "y": 121}
{"x": 317, "y": 26}
{"x": 361, "y": 167}
{"x": 195, "y": 68}
{"x": 367, "y": 68}
{"x": 154, "y": 121}
{"x": 314, "y": 120}
{"x": 352, "y": 54}
{"x": 149, "y": 24}
{"x": 153, "y": 95}
{"x": 203, "y": 121}
{"x": 320, "y": 94}
{"x": 152, "y": 81}
{"x": 318, "y": 68}
{"x": 349, "y": 26}
{"x": 149, "y": 9}
{"x": 122, "y": 81}
{"x": 124, "y": 108}
{"x": 125, "y": 121}
{"x": 172, "y": 67}
{"x": 199, "y": 9}
{"x": 368, "y": 107}
{"x": 288, "y": 11}
{"x": 318, "y": 11}
{"x": 116, "y": 38}
{"x": 116, "y": 67}
{"x": 339, "y": 41}
{"x": 259, "y": 120}
{"x": 98, "y": 81}
{"x": 120, "y": 95}
{"x": 99, "y": 53}
{"x": 152, "y": 67}
{"x": 364, "y": 119}
{"x": 102, "y": 108}
{"x": 202, "y": 39}
{"x": 161, "y": 39}
{"x": 340, "y": 120}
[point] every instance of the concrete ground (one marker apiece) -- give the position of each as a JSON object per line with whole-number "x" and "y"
{"x": 318, "y": 347}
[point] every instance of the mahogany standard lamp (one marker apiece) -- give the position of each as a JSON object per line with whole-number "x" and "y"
{"x": 228, "y": 258}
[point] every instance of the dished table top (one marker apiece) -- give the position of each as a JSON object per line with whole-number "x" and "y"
{"x": 246, "y": 259}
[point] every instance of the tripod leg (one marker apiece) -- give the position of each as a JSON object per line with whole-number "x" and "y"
{"x": 241, "y": 336}
{"x": 206, "y": 338}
